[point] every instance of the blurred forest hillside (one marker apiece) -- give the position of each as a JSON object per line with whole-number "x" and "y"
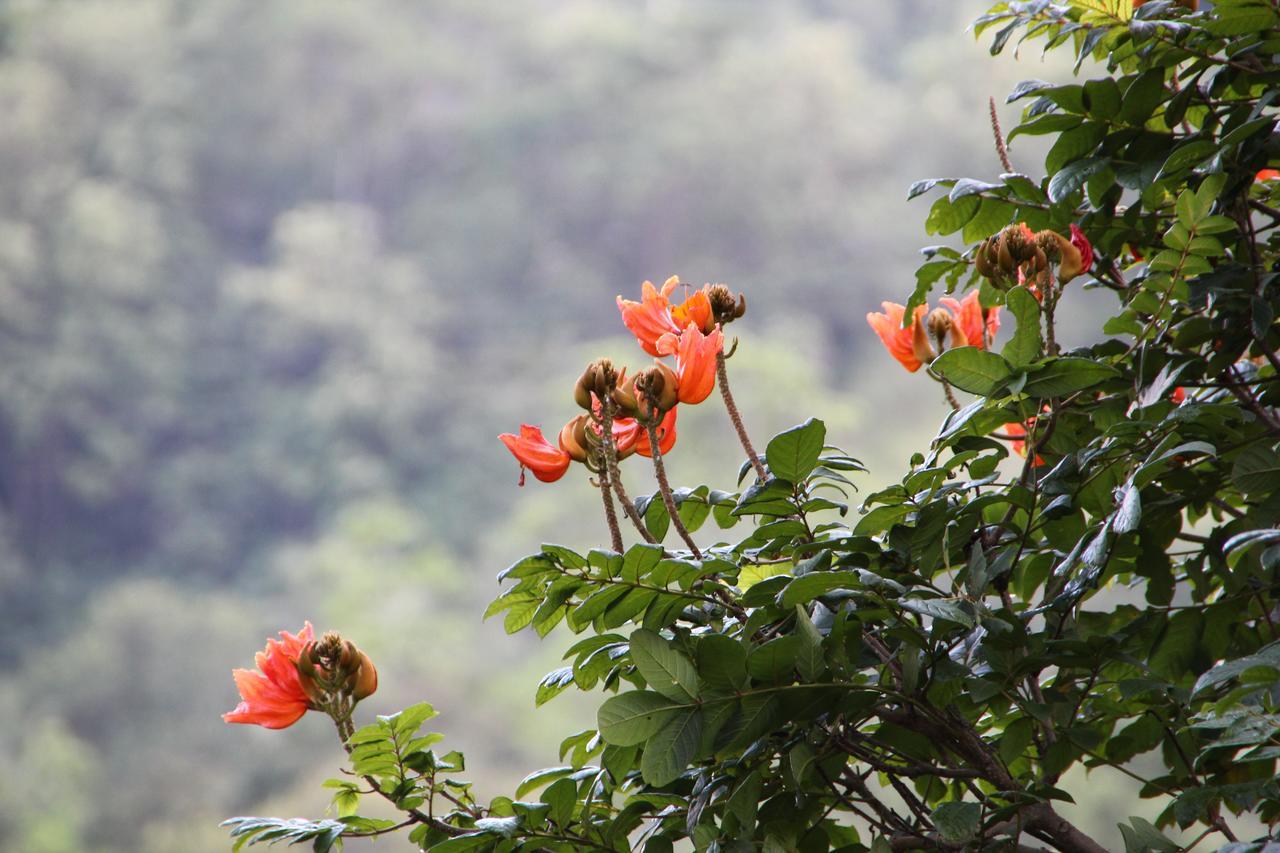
{"x": 267, "y": 272}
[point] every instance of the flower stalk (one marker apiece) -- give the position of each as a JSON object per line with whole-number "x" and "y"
{"x": 610, "y": 475}
{"x": 722, "y": 376}
{"x": 668, "y": 499}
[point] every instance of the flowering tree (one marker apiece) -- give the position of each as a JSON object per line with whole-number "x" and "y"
{"x": 783, "y": 674}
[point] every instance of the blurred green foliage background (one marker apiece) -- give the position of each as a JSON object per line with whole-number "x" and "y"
{"x": 273, "y": 276}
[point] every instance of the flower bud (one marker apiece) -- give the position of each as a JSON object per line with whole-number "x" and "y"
{"x": 599, "y": 379}
{"x": 938, "y": 324}
{"x": 657, "y": 389}
{"x": 920, "y": 344}
{"x": 573, "y": 438}
{"x": 626, "y": 399}
{"x": 725, "y": 307}
{"x": 332, "y": 668}
{"x": 363, "y": 680}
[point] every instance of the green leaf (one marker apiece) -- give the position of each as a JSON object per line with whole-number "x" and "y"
{"x": 1188, "y": 154}
{"x": 1129, "y": 510}
{"x": 665, "y": 669}
{"x": 971, "y": 369}
{"x": 809, "y": 657}
{"x": 1143, "y": 837}
{"x": 562, "y": 796}
{"x": 1072, "y": 176}
{"x": 804, "y": 589}
{"x": 1025, "y": 345}
{"x": 940, "y": 608}
{"x": 992, "y": 215}
{"x": 1073, "y": 145}
{"x": 792, "y": 455}
{"x": 957, "y": 823}
{"x": 671, "y": 749}
{"x": 947, "y": 216}
{"x": 722, "y": 663}
{"x": 538, "y": 778}
{"x": 640, "y": 560}
{"x": 462, "y": 843}
{"x": 1256, "y": 470}
{"x": 632, "y": 718}
{"x": 744, "y": 802}
{"x": 774, "y": 659}
{"x": 1067, "y": 375}
{"x": 553, "y": 684}
{"x": 1102, "y": 97}
{"x": 1142, "y": 96}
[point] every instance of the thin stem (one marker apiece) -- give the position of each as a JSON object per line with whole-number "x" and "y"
{"x": 1001, "y": 148}
{"x": 614, "y": 476}
{"x": 660, "y": 471}
{"x": 610, "y": 514}
{"x": 722, "y": 377}
{"x": 951, "y": 397}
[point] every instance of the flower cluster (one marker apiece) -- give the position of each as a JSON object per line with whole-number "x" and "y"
{"x": 1041, "y": 261}
{"x": 1033, "y": 257}
{"x": 958, "y": 323}
{"x": 689, "y": 333}
{"x": 296, "y": 674}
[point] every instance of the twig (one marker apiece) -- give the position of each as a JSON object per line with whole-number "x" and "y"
{"x": 664, "y": 487}
{"x": 722, "y": 377}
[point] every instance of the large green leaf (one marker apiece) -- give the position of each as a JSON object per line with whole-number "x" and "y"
{"x": 974, "y": 370}
{"x": 666, "y": 670}
{"x": 1067, "y": 375}
{"x": 792, "y": 455}
{"x": 722, "y": 663}
{"x": 1256, "y": 470}
{"x": 1025, "y": 345}
{"x": 632, "y": 718}
{"x": 669, "y": 752}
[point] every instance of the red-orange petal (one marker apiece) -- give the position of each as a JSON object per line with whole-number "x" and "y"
{"x": 666, "y": 436}
{"x": 547, "y": 461}
{"x": 273, "y": 696}
{"x": 897, "y": 340}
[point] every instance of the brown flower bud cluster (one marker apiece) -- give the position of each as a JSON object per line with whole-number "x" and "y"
{"x": 1013, "y": 251}
{"x": 655, "y": 391}
{"x": 600, "y": 378}
{"x": 333, "y": 668}
{"x": 725, "y": 307}
{"x": 1029, "y": 257}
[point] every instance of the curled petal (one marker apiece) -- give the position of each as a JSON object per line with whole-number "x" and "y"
{"x": 547, "y": 462}
{"x": 967, "y": 314}
{"x": 897, "y": 340}
{"x": 697, "y": 310}
{"x": 650, "y": 318}
{"x": 273, "y": 697}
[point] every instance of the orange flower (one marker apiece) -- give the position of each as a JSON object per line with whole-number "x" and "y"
{"x": 697, "y": 310}
{"x": 547, "y": 462}
{"x": 1267, "y": 175}
{"x": 909, "y": 346}
{"x": 695, "y": 361}
{"x": 666, "y": 435}
{"x": 967, "y": 315}
{"x": 655, "y": 316}
{"x": 273, "y": 697}
{"x": 650, "y": 318}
